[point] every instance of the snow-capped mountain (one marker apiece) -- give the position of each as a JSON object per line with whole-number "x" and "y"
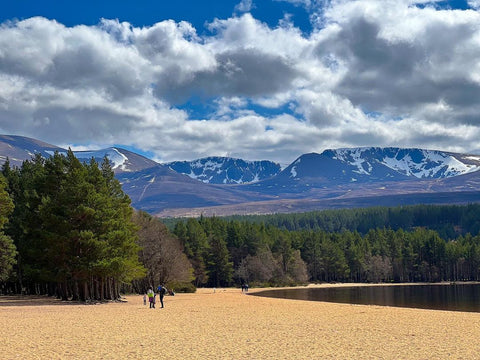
{"x": 386, "y": 164}
{"x": 420, "y": 163}
{"x": 120, "y": 159}
{"x": 225, "y": 170}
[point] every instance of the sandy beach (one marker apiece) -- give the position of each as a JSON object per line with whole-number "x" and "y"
{"x": 227, "y": 324}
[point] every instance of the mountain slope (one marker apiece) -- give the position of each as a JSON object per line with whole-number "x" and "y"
{"x": 225, "y": 170}
{"x": 157, "y": 188}
{"x": 20, "y": 148}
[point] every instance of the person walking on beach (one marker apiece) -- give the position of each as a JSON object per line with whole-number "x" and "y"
{"x": 162, "y": 290}
{"x": 144, "y": 299}
{"x": 150, "y": 297}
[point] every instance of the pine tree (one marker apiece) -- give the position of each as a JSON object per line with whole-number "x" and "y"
{"x": 220, "y": 269}
{"x": 7, "y": 247}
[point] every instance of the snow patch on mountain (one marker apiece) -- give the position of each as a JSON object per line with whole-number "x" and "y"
{"x": 117, "y": 159}
{"x": 354, "y": 157}
{"x": 293, "y": 171}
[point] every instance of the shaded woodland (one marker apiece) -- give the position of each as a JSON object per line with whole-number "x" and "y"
{"x": 68, "y": 230}
{"x": 72, "y": 228}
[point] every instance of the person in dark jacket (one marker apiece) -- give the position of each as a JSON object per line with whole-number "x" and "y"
{"x": 162, "y": 290}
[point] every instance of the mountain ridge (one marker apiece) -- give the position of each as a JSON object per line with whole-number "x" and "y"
{"x": 226, "y": 170}
{"x": 334, "y": 178}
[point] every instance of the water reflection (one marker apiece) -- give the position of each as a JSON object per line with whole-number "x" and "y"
{"x": 455, "y": 297}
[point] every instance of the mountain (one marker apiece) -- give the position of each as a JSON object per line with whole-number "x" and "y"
{"x": 333, "y": 169}
{"x": 380, "y": 164}
{"x": 19, "y": 149}
{"x": 153, "y": 187}
{"x": 357, "y": 177}
{"x": 362, "y": 177}
{"x": 225, "y": 170}
{"x": 414, "y": 162}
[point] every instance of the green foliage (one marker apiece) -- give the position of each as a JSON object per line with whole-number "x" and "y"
{"x": 181, "y": 287}
{"x": 448, "y": 220}
{"x": 72, "y": 227}
{"x": 7, "y": 256}
{"x": 292, "y": 249}
{"x": 7, "y": 247}
{"x": 220, "y": 269}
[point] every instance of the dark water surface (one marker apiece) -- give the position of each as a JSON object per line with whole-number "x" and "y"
{"x": 454, "y": 297}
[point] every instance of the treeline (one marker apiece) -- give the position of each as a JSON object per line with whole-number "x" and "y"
{"x": 448, "y": 220}
{"x": 227, "y": 252}
{"x": 224, "y": 252}
{"x": 67, "y": 229}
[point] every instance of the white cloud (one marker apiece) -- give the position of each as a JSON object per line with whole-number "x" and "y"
{"x": 474, "y": 4}
{"x": 244, "y": 6}
{"x": 376, "y": 73}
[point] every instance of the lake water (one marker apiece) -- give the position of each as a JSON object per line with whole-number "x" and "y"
{"x": 454, "y": 297}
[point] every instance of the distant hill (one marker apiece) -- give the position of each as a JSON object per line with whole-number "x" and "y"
{"x": 380, "y": 164}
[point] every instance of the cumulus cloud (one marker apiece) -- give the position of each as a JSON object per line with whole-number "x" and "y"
{"x": 371, "y": 73}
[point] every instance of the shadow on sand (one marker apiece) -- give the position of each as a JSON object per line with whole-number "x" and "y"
{"x": 32, "y": 300}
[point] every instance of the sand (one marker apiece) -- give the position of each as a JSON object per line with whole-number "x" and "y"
{"x": 227, "y": 324}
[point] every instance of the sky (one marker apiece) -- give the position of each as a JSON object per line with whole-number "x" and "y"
{"x": 253, "y": 79}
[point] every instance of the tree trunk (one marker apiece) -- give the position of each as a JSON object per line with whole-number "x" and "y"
{"x": 64, "y": 290}
{"x": 102, "y": 289}
{"x": 85, "y": 291}
{"x": 76, "y": 292}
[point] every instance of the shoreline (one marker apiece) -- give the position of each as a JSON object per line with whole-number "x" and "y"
{"x": 227, "y": 324}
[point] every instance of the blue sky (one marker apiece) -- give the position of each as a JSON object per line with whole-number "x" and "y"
{"x": 252, "y": 79}
{"x": 147, "y": 13}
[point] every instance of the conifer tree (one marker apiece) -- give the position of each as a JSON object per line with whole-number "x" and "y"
{"x": 7, "y": 247}
{"x": 220, "y": 269}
